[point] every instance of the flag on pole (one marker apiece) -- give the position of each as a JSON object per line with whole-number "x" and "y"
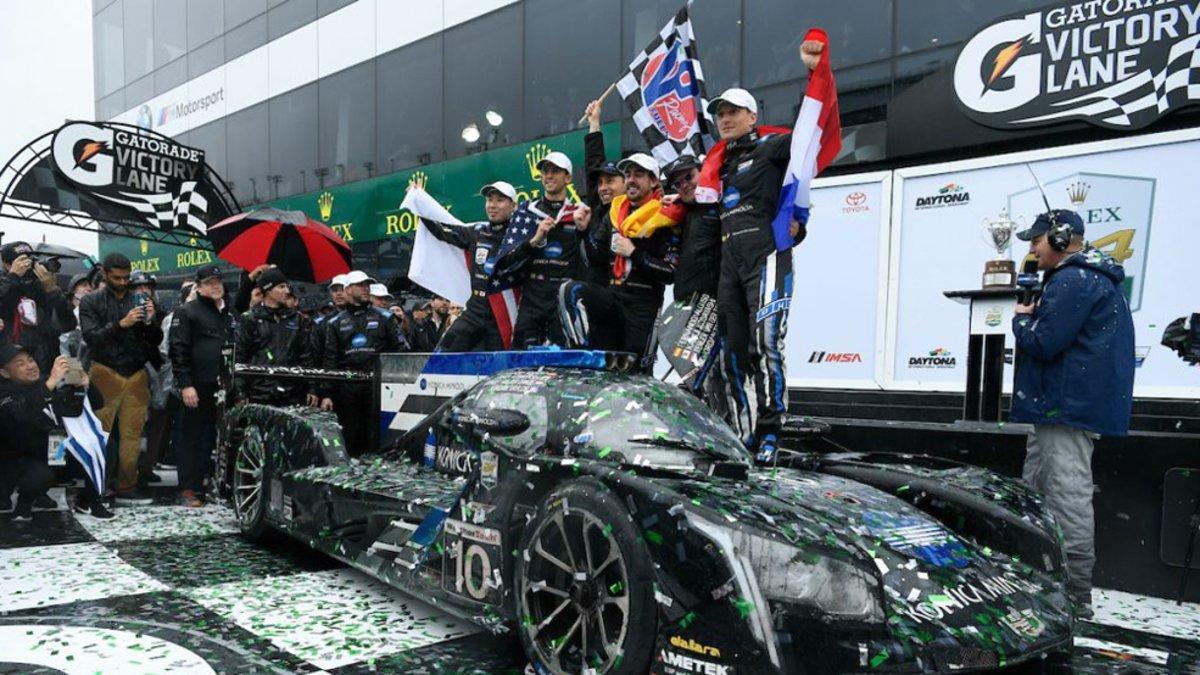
{"x": 816, "y": 140}
{"x": 436, "y": 265}
{"x": 86, "y": 441}
{"x": 664, "y": 88}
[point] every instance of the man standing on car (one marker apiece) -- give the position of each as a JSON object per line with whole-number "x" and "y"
{"x": 1074, "y": 380}
{"x": 354, "y": 339}
{"x": 122, "y": 336}
{"x": 200, "y": 329}
{"x": 275, "y": 335}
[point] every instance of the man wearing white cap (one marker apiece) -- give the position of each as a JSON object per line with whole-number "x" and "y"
{"x": 337, "y": 291}
{"x": 746, "y": 171}
{"x": 634, "y": 243}
{"x": 354, "y": 338}
{"x": 542, "y": 245}
{"x": 476, "y": 329}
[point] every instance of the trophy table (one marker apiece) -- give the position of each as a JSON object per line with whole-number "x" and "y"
{"x": 990, "y": 321}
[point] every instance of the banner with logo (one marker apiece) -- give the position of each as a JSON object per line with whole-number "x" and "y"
{"x": 1120, "y": 64}
{"x": 1137, "y": 203}
{"x": 836, "y": 322}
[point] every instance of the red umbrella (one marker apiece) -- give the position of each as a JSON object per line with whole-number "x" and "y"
{"x": 299, "y": 246}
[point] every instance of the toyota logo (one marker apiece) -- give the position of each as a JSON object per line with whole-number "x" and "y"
{"x": 856, "y": 198}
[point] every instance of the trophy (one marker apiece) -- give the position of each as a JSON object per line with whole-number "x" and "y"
{"x": 1002, "y": 271}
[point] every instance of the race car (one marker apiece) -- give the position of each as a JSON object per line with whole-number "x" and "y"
{"x": 618, "y": 526}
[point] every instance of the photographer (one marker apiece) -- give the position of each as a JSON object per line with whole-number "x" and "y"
{"x": 122, "y": 335}
{"x": 33, "y": 308}
{"x": 1074, "y": 380}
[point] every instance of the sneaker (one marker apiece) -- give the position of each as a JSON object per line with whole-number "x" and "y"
{"x": 45, "y": 503}
{"x": 23, "y": 512}
{"x": 134, "y": 498}
{"x": 100, "y": 511}
{"x": 767, "y": 449}
{"x": 188, "y": 498}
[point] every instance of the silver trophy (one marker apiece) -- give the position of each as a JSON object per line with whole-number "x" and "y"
{"x": 1000, "y": 272}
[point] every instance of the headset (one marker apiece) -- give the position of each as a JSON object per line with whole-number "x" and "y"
{"x": 1059, "y": 235}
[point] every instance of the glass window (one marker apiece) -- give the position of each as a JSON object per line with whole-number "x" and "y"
{"x": 170, "y": 30}
{"x": 775, "y": 29}
{"x": 170, "y": 76}
{"x": 211, "y": 139}
{"x": 139, "y": 38}
{"x": 715, "y": 23}
{"x": 98, "y": 5}
{"x": 326, "y": 6}
{"x": 409, "y": 87}
{"x": 108, "y": 50}
{"x": 247, "y": 169}
{"x": 779, "y": 103}
{"x": 205, "y": 21}
{"x": 475, "y": 85}
{"x": 203, "y": 59}
{"x": 290, "y": 15}
{"x": 293, "y": 129}
{"x": 923, "y": 24}
{"x": 238, "y": 12}
{"x": 139, "y": 92}
{"x": 346, "y": 124}
{"x": 864, "y": 92}
{"x": 111, "y": 106}
{"x": 565, "y": 69}
{"x": 246, "y": 37}
{"x": 394, "y": 256}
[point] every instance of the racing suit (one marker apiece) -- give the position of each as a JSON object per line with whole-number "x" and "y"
{"x": 353, "y": 340}
{"x": 699, "y": 272}
{"x": 756, "y": 285}
{"x": 621, "y": 315}
{"x": 543, "y": 268}
{"x": 275, "y": 337}
{"x": 476, "y": 328}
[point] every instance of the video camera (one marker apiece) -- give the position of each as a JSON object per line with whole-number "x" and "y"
{"x": 1182, "y": 336}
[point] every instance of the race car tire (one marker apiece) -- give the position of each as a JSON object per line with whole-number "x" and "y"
{"x": 251, "y": 484}
{"x": 602, "y": 611}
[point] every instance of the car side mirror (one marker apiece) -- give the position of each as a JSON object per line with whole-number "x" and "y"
{"x": 492, "y": 421}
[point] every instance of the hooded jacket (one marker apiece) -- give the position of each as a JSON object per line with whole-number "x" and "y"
{"x": 1076, "y": 349}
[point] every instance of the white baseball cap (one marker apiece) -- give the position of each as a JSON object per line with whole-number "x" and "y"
{"x": 380, "y": 291}
{"x": 502, "y": 187}
{"x": 642, "y": 160}
{"x": 557, "y": 159}
{"x": 338, "y": 280}
{"x": 734, "y": 96}
{"x": 357, "y": 277}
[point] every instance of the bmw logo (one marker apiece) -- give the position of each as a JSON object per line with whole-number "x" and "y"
{"x": 732, "y": 198}
{"x": 424, "y": 383}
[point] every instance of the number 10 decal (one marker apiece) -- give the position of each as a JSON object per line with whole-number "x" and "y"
{"x": 471, "y": 567}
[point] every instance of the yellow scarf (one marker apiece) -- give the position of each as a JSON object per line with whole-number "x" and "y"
{"x": 641, "y": 222}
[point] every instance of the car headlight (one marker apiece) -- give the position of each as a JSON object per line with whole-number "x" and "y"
{"x": 787, "y": 574}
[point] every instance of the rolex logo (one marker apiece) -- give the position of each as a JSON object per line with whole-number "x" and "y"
{"x": 1078, "y": 192}
{"x": 325, "y": 204}
{"x": 145, "y": 247}
{"x": 418, "y": 180}
{"x": 533, "y": 157}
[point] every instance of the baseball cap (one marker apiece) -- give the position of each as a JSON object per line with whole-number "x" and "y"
{"x": 380, "y": 291}
{"x": 76, "y": 280}
{"x": 9, "y": 351}
{"x": 1042, "y": 224}
{"x": 684, "y": 162}
{"x": 270, "y": 278}
{"x": 206, "y": 272}
{"x": 502, "y": 187}
{"x": 13, "y": 250}
{"x": 610, "y": 168}
{"x": 140, "y": 278}
{"x": 735, "y": 96}
{"x": 338, "y": 280}
{"x": 357, "y": 277}
{"x": 642, "y": 160}
{"x": 558, "y": 159}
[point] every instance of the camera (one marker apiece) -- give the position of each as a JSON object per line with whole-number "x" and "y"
{"x": 1183, "y": 337}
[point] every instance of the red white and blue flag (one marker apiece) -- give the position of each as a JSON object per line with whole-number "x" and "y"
{"x": 664, "y": 89}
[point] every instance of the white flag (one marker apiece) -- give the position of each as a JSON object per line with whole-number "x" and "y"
{"x": 436, "y": 265}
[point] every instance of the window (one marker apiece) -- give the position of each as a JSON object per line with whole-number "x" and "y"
{"x": 925, "y": 24}
{"x": 139, "y": 92}
{"x": 110, "y": 107}
{"x": 409, "y": 87}
{"x": 170, "y": 31}
{"x": 346, "y": 125}
{"x": 246, "y": 37}
{"x": 247, "y": 169}
{"x": 293, "y": 148}
{"x": 108, "y": 50}
{"x": 290, "y": 15}
{"x": 859, "y": 32}
{"x": 565, "y": 69}
{"x": 205, "y": 58}
{"x": 715, "y": 25}
{"x": 211, "y": 139}
{"x": 326, "y": 6}
{"x": 139, "y": 39}
{"x": 170, "y": 76}
{"x": 394, "y": 256}
{"x": 205, "y": 21}
{"x": 238, "y": 12}
{"x": 483, "y": 72}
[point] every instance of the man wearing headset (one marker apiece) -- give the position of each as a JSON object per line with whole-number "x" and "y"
{"x": 1074, "y": 380}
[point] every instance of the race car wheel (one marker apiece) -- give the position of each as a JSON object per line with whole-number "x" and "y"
{"x": 585, "y": 598}
{"x": 250, "y": 484}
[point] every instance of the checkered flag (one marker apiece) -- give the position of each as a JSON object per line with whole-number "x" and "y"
{"x": 166, "y": 211}
{"x": 1143, "y": 98}
{"x": 664, "y": 88}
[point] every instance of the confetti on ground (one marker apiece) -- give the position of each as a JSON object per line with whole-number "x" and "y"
{"x": 54, "y": 575}
{"x": 158, "y": 522}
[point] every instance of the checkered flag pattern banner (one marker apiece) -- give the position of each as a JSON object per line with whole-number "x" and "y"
{"x": 167, "y": 211}
{"x": 664, "y": 88}
{"x": 1141, "y": 99}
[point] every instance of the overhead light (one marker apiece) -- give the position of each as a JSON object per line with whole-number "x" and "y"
{"x": 470, "y": 133}
{"x": 494, "y": 118}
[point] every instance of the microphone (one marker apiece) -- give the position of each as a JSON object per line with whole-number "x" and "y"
{"x": 1028, "y": 282}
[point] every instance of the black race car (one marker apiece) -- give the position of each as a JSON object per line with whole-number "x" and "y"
{"x": 617, "y": 525}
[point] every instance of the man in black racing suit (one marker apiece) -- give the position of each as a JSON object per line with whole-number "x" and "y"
{"x": 476, "y": 328}
{"x": 272, "y": 334}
